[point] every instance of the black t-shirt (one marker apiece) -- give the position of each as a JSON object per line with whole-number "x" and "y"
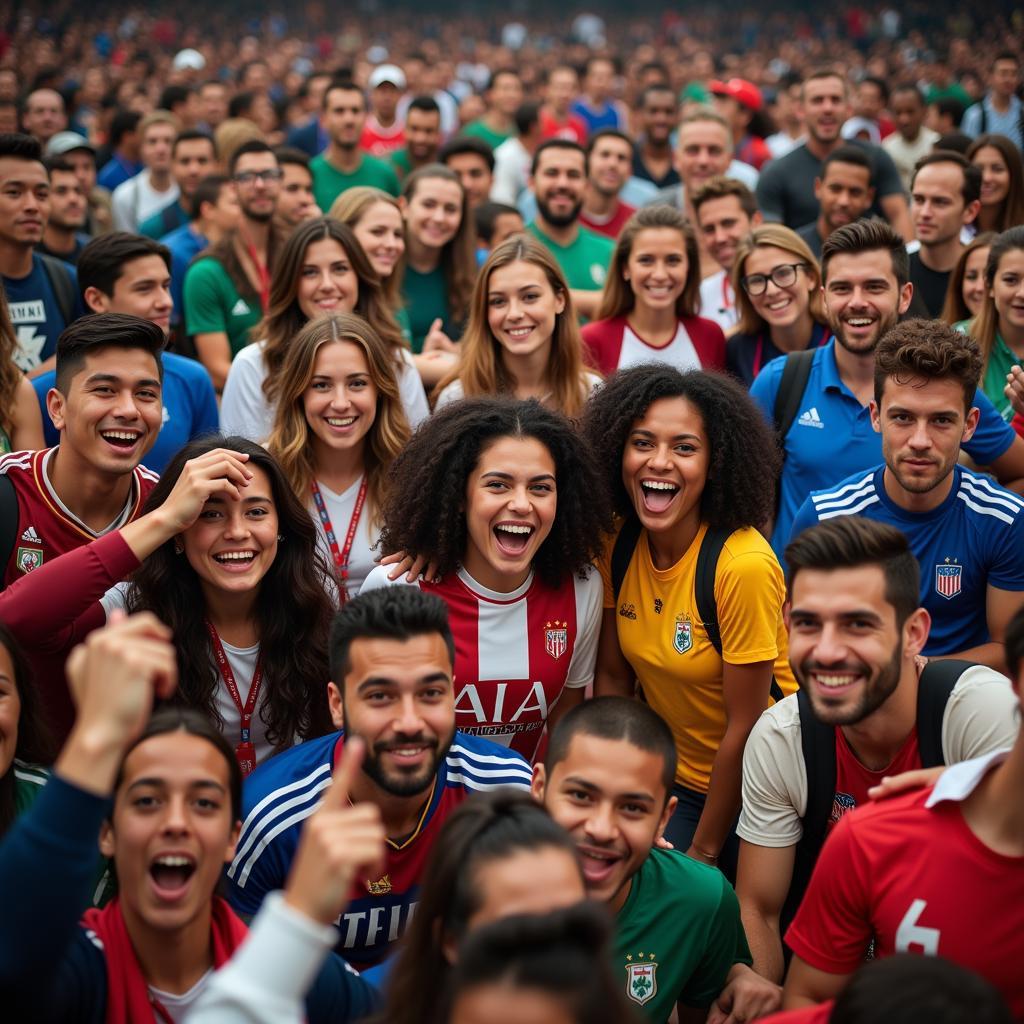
{"x": 809, "y": 233}
{"x": 929, "y": 285}
{"x": 641, "y": 170}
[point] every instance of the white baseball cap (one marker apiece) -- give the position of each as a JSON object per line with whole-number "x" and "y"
{"x": 387, "y": 73}
{"x": 189, "y": 60}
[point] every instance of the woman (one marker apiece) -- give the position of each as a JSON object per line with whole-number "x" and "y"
{"x": 648, "y": 312}
{"x": 778, "y": 295}
{"x": 502, "y": 498}
{"x": 21, "y": 422}
{"x": 226, "y": 556}
{"x": 522, "y": 338}
{"x": 999, "y": 327}
{"x": 473, "y": 877}
{"x": 376, "y": 220}
{"x": 1002, "y": 182}
{"x": 696, "y": 469}
{"x": 966, "y": 292}
{"x": 338, "y": 428}
{"x": 322, "y": 269}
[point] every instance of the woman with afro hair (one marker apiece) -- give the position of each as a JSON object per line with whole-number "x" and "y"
{"x": 502, "y": 499}
{"x": 691, "y": 466}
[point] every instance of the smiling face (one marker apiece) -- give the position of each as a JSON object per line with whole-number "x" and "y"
{"x": 10, "y": 711}
{"x": 610, "y": 166}
{"x": 723, "y": 222}
{"x": 703, "y": 150}
{"x": 511, "y": 500}
{"x": 657, "y": 268}
{"x": 433, "y": 212}
{"x": 973, "y": 287}
{"x": 845, "y": 193}
{"x": 610, "y": 797}
{"x": 825, "y": 106}
{"x": 522, "y": 307}
{"x": 381, "y": 233}
{"x": 295, "y": 201}
{"x": 559, "y": 184}
{"x": 193, "y": 160}
{"x": 341, "y": 401}
{"x": 1008, "y": 293}
{"x": 327, "y": 283}
{"x": 995, "y": 175}
{"x": 475, "y": 174}
{"x": 779, "y": 306}
{"x": 143, "y": 290}
{"x": 171, "y": 830}
{"x": 863, "y": 299}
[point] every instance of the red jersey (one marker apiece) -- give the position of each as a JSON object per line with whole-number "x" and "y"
{"x": 818, "y": 1014}
{"x": 514, "y": 653}
{"x": 611, "y": 227}
{"x": 613, "y": 345}
{"x": 573, "y": 128}
{"x": 379, "y": 141}
{"x": 853, "y": 779}
{"x": 909, "y": 873}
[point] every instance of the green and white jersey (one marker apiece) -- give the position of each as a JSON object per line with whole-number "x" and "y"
{"x": 29, "y": 780}
{"x": 584, "y": 262}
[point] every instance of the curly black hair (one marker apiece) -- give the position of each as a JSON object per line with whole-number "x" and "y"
{"x": 423, "y": 514}
{"x": 744, "y": 462}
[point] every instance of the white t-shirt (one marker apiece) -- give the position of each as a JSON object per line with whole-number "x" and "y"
{"x": 453, "y": 392}
{"x": 905, "y": 154}
{"x": 511, "y": 172}
{"x": 135, "y": 200}
{"x": 679, "y": 352}
{"x": 178, "y": 1007}
{"x": 244, "y": 408}
{"x": 718, "y": 302}
{"x": 362, "y": 557}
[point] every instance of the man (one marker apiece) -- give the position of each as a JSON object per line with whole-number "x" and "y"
{"x": 42, "y": 295}
{"x": 726, "y": 212}
{"x": 183, "y": 102}
{"x": 856, "y": 630}
{"x": 935, "y": 871}
{"x": 558, "y": 179}
{"x": 193, "y": 157}
{"x": 739, "y": 102}
{"x": 866, "y": 288}
{"x": 844, "y": 194}
{"x": 106, "y": 407}
{"x": 384, "y": 131}
{"x": 473, "y": 161}
{"x": 607, "y": 778}
{"x": 494, "y": 223}
{"x": 44, "y": 114}
{"x": 1000, "y": 110}
{"x": 295, "y": 202}
{"x": 131, "y": 274}
{"x": 944, "y": 199}
{"x": 658, "y": 115}
{"x": 221, "y": 308}
{"x": 788, "y": 115}
{"x": 503, "y": 96}
{"x": 153, "y": 187}
{"x": 77, "y": 151}
{"x": 343, "y": 164}
{"x": 786, "y": 190}
{"x": 512, "y": 159}
{"x": 871, "y": 98}
{"x": 911, "y": 140}
{"x": 967, "y": 533}
{"x": 609, "y": 166}
{"x": 557, "y": 121}
{"x": 124, "y": 162}
{"x": 391, "y": 654}
{"x": 63, "y": 236}
{"x": 213, "y": 104}
{"x": 595, "y": 106}
{"x": 422, "y": 137}
{"x": 944, "y": 116}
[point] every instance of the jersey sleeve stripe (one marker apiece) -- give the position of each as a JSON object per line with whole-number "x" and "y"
{"x": 847, "y": 510}
{"x": 993, "y": 498}
{"x": 242, "y": 877}
{"x": 510, "y": 771}
{"x": 1005, "y": 496}
{"x": 983, "y": 510}
{"x": 277, "y": 794}
{"x": 470, "y": 782}
{"x": 474, "y": 759}
{"x": 826, "y": 501}
{"x": 15, "y": 460}
{"x": 845, "y": 490}
{"x": 37, "y": 778}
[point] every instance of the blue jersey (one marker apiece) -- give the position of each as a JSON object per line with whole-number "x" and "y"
{"x": 185, "y": 245}
{"x": 974, "y": 539}
{"x": 36, "y": 314}
{"x": 190, "y": 408}
{"x": 286, "y": 790}
{"x": 832, "y": 437}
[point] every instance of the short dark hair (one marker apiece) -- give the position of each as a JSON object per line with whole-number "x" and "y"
{"x": 20, "y": 146}
{"x": 291, "y": 155}
{"x": 497, "y": 73}
{"x": 608, "y": 133}
{"x": 548, "y": 144}
{"x": 616, "y": 718}
{"x": 848, "y": 154}
{"x": 950, "y": 106}
{"x": 427, "y": 104}
{"x": 486, "y": 217}
{"x": 909, "y": 87}
{"x": 1006, "y": 55}
{"x": 1014, "y": 640}
{"x": 719, "y": 188}
{"x": 208, "y": 191}
{"x": 526, "y": 116}
{"x": 970, "y": 188}
{"x": 955, "y": 142}
{"x": 124, "y": 122}
{"x": 927, "y": 350}
{"x": 462, "y": 144}
{"x": 879, "y": 83}
{"x": 851, "y": 542}
{"x": 241, "y": 104}
{"x": 98, "y": 331}
{"x": 391, "y": 613}
{"x": 58, "y": 163}
{"x": 252, "y": 146}
{"x": 650, "y": 90}
{"x": 102, "y": 260}
{"x": 173, "y": 95}
{"x": 346, "y": 85}
{"x": 191, "y": 135}
{"x": 867, "y": 236}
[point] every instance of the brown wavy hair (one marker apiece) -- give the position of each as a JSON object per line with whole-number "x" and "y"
{"x": 984, "y": 327}
{"x": 1012, "y": 210}
{"x": 290, "y": 438}
{"x": 955, "y": 309}
{"x": 349, "y": 208}
{"x": 10, "y": 375}
{"x": 618, "y": 298}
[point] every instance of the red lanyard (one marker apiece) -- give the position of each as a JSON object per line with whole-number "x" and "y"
{"x": 261, "y": 270}
{"x": 160, "y": 1010}
{"x": 340, "y": 556}
{"x": 245, "y": 752}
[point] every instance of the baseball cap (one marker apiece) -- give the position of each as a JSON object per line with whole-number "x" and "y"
{"x": 387, "y": 73}
{"x": 739, "y": 89}
{"x": 188, "y": 60}
{"x": 66, "y": 142}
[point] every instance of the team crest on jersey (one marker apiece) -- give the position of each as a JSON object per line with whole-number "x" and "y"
{"x": 556, "y": 638}
{"x": 683, "y": 639}
{"x": 658, "y": 606}
{"x": 627, "y": 611}
{"x": 948, "y": 579}
{"x": 379, "y": 888}
{"x": 28, "y": 559}
{"x": 642, "y": 979}
{"x": 842, "y": 804}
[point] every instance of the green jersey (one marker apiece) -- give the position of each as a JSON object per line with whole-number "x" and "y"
{"x": 402, "y": 163}
{"x": 480, "y": 129}
{"x": 29, "y": 780}
{"x": 213, "y": 304}
{"x": 584, "y": 261}
{"x": 678, "y": 935}
{"x": 426, "y": 299}
{"x": 329, "y": 182}
{"x": 1000, "y": 361}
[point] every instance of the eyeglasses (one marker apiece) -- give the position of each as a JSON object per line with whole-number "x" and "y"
{"x": 248, "y": 177}
{"x": 783, "y": 276}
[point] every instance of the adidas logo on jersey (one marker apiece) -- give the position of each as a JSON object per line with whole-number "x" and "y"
{"x": 31, "y": 536}
{"x": 811, "y": 419}
{"x": 240, "y": 308}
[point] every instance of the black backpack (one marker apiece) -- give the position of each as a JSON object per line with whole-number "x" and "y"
{"x": 818, "y": 743}
{"x": 61, "y": 283}
{"x": 795, "y": 373}
{"x": 8, "y": 523}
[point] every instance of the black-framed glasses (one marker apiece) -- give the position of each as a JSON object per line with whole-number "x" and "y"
{"x": 783, "y": 276}
{"x": 248, "y": 177}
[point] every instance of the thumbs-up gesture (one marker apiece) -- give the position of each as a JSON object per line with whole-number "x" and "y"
{"x": 339, "y": 843}
{"x": 436, "y": 340}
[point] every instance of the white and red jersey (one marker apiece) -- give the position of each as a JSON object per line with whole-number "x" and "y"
{"x": 909, "y": 873}
{"x": 698, "y": 344}
{"x": 514, "y": 653}
{"x": 379, "y": 141}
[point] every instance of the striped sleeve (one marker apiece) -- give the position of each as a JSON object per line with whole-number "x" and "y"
{"x": 481, "y": 766}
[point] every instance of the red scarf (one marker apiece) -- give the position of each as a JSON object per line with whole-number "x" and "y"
{"x": 127, "y": 992}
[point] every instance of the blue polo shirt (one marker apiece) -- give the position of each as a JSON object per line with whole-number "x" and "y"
{"x": 974, "y": 539}
{"x": 832, "y": 437}
{"x": 190, "y": 408}
{"x": 185, "y": 245}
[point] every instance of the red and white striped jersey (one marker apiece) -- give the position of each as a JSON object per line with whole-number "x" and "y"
{"x": 514, "y": 653}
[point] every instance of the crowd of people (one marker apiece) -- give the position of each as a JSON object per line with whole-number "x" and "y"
{"x": 512, "y": 521}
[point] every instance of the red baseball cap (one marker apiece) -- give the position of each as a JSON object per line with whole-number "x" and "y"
{"x": 739, "y": 89}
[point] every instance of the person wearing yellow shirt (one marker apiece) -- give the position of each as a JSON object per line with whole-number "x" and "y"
{"x": 692, "y": 469}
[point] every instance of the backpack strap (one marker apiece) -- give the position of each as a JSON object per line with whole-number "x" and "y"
{"x": 62, "y": 285}
{"x": 622, "y": 552}
{"x": 795, "y": 374}
{"x": 933, "y": 692}
{"x": 8, "y": 523}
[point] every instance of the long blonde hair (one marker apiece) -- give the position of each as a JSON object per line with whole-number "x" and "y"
{"x": 481, "y": 368}
{"x": 350, "y": 208}
{"x": 290, "y": 439}
{"x": 984, "y": 327}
